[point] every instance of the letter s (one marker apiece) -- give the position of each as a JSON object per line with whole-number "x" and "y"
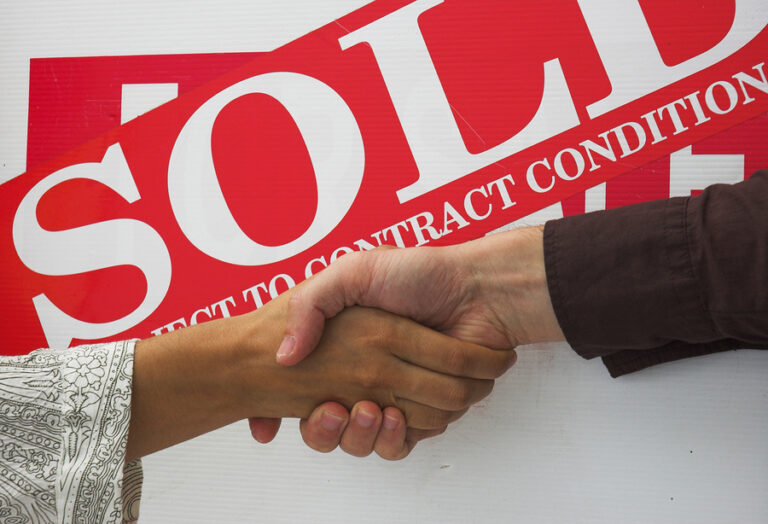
{"x": 88, "y": 248}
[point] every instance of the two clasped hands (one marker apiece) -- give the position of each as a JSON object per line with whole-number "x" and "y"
{"x": 487, "y": 296}
{"x": 375, "y": 353}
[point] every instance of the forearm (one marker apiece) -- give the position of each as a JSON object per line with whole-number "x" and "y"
{"x": 187, "y": 383}
{"x": 506, "y": 271}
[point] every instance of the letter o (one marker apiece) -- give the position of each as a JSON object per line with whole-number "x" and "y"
{"x": 334, "y": 144}
{"x": 580, "y": 164}
{"x": 273, "y": 292}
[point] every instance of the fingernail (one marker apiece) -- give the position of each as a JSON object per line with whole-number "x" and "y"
{"x": 287, "y": 347}
{"x": 364, "y": 419}
{"x": 391, "y": 422}
{"x": 330, "y": 422}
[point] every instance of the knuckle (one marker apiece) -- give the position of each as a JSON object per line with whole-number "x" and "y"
{"x": 443, "y": 418}
{"x": 458, "y": 361}
{"x": 456, "y": 415}
{"x": 459, "y": 396}
{"x": 381, "y": 330}
{"x": 355, "y": 257}
{"x": 295, "y": 298}
{"x": 349, "y": 261}
{"x": 502, "y": 362}
{"x": 389, "y": 330}
{"x": 372, "y": 377}
{"x": 346, "y": 260}
{"x": 437, "y": 418}
{"x": 484, "y": 389}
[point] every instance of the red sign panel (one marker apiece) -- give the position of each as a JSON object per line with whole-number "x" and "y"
{"x": 417, "y": 123}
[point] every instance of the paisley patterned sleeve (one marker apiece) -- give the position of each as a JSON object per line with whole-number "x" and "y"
{"x": 64, "y": 418}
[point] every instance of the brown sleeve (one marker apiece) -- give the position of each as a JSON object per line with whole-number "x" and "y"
{"x": 660, "y": 281}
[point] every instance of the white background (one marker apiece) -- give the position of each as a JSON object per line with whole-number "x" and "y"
{"x": 558, "y": 441}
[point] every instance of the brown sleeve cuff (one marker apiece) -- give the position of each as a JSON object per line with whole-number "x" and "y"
{"x": 622, "y": 279}
{"x": 624, "y": 362}
{"x": 665, "y": 280}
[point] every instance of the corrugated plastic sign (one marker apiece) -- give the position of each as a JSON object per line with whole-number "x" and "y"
{"x": 405, "y": 123}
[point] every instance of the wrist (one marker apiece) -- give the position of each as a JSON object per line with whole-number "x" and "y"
{"x": 264, "y": 387}
{"x": 506, "y": 273}
{"x": 254, "y": 381}
{"x": 184, "y": 384}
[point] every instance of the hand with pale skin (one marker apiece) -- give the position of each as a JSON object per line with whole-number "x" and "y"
{"x": 491, "y": 291}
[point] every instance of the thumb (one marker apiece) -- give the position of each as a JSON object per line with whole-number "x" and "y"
{"x": 304, "y": 327}
{"x": 321, "y": 297}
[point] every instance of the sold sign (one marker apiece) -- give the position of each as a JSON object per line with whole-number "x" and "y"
{"x": 429, "y": 122}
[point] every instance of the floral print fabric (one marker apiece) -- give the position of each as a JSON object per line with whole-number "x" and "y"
{"x": 64, "y": 417}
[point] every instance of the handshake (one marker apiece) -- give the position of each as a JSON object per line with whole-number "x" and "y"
{"x": 378, "y": 351}
{"x": 445, "y": 325}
